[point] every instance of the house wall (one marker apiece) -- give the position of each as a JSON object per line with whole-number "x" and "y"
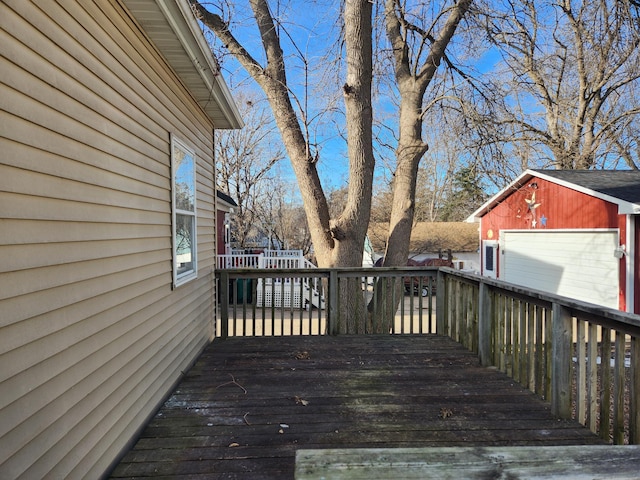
{"x": 92, "y": 336}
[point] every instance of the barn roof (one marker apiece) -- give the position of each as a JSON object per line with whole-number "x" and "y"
{"x": 431, "y": 237}
{"x": 620, "y": 187}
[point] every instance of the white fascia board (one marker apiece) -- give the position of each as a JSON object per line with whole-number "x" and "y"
{"x": 506, "y": 191}
{"x": 624, "y": 207}
{"x": 193, "y": 41}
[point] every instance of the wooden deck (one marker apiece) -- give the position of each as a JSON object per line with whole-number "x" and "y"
{"x": 249, "y": 404}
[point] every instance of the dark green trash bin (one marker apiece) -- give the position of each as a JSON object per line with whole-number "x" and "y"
{"x": 243, "y": 290}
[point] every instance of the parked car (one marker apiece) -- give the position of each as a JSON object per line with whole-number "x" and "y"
{"x": 421, "y": 285}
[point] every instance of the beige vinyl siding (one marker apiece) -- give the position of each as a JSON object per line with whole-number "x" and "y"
{"x": 92, "y": 336}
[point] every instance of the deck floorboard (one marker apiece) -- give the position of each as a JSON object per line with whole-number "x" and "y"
{"x": 248, "y": 404}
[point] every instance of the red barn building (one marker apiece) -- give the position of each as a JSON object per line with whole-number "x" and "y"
{"x": 570, "y": 232}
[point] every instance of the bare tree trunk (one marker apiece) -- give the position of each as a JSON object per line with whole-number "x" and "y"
{"x": 337, "y": 242}
{"x": 350, "y": 228}
{"x": 413, "y": 79}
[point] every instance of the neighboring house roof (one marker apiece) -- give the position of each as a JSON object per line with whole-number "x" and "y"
{"x": 174, "y": 30}
{"x": 226, "y": 198}
{"x": 620, "y": 187}
{"x": 431, "y": 237}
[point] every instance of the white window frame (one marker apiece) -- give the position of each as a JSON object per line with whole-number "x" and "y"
{"x": 180, "y": 274}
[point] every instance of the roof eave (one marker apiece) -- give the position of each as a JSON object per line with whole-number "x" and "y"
{"x": 624, "y": 207}
{"x": 498, "y": 197}
{"x": 200, "y": 74}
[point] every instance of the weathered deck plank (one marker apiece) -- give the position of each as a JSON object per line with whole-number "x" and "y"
{"x": 334, "y": 392}
{"x": 593, "y": 462}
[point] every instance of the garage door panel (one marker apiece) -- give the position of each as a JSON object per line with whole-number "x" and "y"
{"x": 576, "y": 264}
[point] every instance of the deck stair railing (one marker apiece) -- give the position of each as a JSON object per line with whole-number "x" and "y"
{"x": 582, "y": 358}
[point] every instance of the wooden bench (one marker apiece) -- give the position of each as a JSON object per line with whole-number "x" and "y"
{"x": 461, "y": 463}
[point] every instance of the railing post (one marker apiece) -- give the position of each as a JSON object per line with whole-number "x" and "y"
{"x": 485, "y": 317}
{"x": 634, "y": 388}
{"x": 332, "y": 304}
{"x": 224, "y": 304}
{"x": 561, "y": 361}
{"x": 441, "y": 302}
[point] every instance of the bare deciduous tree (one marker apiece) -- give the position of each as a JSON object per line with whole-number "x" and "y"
{"x": 569, "y": 96}
{"x": 244, "y": 165}
{"x": 418, "y": 51}
{"x": 419, "y": 34}
{"x": 337, "y": 241}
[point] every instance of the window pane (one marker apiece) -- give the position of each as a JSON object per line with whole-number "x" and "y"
{"x": 488, "y": 253}
{"x": 185, "y": 180}
{"x": 184, "y": 242}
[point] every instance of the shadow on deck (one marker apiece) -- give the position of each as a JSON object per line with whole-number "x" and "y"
{"x": 249, "y": 403}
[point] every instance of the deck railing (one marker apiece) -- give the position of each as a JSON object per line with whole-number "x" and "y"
{"x": 281, "y": 301}
{"x": 582, "y": 358}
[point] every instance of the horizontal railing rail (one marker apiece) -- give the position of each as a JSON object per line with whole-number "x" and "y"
{"x": 584, "y": 359}
{"x": 281, "y": 301}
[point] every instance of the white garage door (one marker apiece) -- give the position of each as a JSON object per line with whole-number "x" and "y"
{"x": 577, "y": 264}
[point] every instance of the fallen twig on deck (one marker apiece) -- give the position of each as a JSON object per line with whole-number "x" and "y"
{"x": 232, "y": 382}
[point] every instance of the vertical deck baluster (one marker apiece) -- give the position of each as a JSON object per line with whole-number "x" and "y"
{"x": 224, "y": 304}
{"x": 539, "y": 351}
{"x": 263, "y": 288}
{"x": 234, "y": 293}
{"x": 332, "y": 304}
{"x": 515, "y": 349}
{"x": 421, "y": 303}
{"x": 402, "y": 313}
{"x": 618, "y": 389}
{"x": 485, "y": 318}
{"x": 469, "y": 302}
{"x": 581, "y": 374}
{"x": 254, "y": 302}
{"x": 561, "y": 361}
{"x": 502, "y": 327}
{"x": 548, "y": 349}
{"x": 453, "y": 324}
{"x": 605, "y": 385}
{"x": 531, "y": 347}
{"x": 495, "y": 326}
{"x": 273, "y": 306}
{"x": 592, "y": 368}
{"x": 245, "y": 283}
{"x": 634, "y": 392}
{"x": 522, "y": 354}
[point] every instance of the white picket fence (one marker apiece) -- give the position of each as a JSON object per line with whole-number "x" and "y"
{"x": 278, "y": 292}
